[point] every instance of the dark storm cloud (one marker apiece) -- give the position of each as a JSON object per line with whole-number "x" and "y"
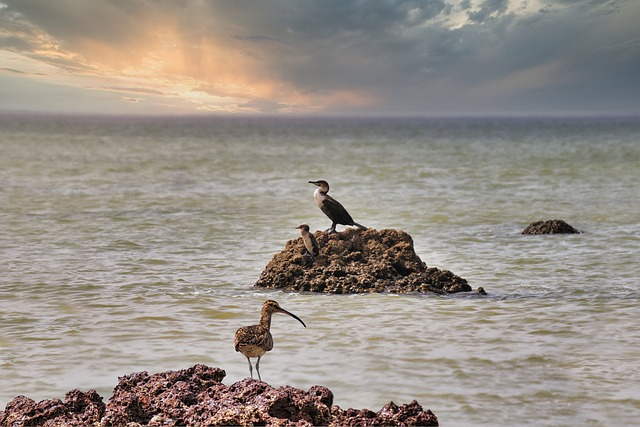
{"x": 347, "y": 44}
{"x": 398, "y": 48}
{"x": 424, "y": 56}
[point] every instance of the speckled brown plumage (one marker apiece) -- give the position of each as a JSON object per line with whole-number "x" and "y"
{"x": 256, "y": 340}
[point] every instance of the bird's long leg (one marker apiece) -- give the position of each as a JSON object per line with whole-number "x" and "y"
{"x": 332, "y": 229}
{"x": 258, "y": 368}
{"x": 251, "y": 368}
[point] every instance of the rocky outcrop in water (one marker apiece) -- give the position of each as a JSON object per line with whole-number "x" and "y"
{"x": 197, "y": 397}
{"x": 79, "y": 409}
{"x": 552, "y": 226}
{"x": 358, "y": 261}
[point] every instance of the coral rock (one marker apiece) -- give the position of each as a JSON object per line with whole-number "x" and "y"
{"x": 78, "y": 409}
{"x": 159, "y": 399}
{"x": 197, "y": 397}
{"x": 358, "y": 261}
{"x": 552, "y": 226}
{"x": 411, "y": 414}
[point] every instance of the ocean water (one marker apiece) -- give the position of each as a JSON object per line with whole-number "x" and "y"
{"x": 130, "y": 244}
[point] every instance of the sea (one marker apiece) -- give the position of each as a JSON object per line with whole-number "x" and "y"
{"x": 133, "y": 243}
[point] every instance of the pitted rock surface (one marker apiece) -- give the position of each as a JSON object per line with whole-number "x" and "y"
{"x": 197, "y": 397}
{"x": 552, "y": 226}
{"x": 358, "y": 261}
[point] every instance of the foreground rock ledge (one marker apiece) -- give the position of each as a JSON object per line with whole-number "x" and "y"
{"x": 358, "y": 261}
{"x": 551, "y": 226}
{"x": 197, "y": 397}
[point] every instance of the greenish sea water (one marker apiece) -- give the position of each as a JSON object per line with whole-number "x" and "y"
{"x": 130, "y": 243}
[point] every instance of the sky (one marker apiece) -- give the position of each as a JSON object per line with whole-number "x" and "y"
{"x": 337, "y": 57}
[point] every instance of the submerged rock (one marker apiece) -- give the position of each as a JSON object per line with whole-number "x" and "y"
{"x": 197, "y": 397}
{"x": 358, "y": 261}
{"x": 552, "y": 226}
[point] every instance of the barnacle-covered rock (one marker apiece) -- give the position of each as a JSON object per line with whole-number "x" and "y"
{"x": 552, "y": 226}
{"x": 358, "y": 261}
{"x": 197, "y": 397}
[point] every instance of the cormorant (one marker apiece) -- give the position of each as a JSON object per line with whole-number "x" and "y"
{"x": 331, "y": 207}
{"x": 310, "y": 242}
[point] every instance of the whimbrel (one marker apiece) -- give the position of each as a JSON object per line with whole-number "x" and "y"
{"x": 309, "y": 240}
{"x": 331, "y": 207}
{"x": 256, "y": 340}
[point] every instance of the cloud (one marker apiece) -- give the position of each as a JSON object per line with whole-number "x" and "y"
{"x": 488, "y": 9}
{"x": 334, "y": 55}
{"x": 136, "y": 90}
{"x": 11, "y": 70}
{"x": 131, "y": 100}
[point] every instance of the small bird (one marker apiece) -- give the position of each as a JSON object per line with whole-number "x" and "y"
{"x": 310, "y": 242}
{"x": 256, "y": 340}
{"x": 331, "y": 207}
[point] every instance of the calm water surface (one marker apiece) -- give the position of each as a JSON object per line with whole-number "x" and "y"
{"x": 131, "y": 244}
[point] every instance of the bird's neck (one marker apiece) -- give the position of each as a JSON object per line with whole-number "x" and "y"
{"x": 319, "y": 193}
{"x": 265, "y": 320}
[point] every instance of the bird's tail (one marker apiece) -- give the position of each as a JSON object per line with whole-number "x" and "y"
{"x": 360, "y": 226}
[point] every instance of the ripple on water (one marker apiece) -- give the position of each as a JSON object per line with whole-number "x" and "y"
{"x": 129, "y": 248}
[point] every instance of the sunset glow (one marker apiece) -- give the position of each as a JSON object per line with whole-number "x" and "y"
{"x": 319, "y": 57}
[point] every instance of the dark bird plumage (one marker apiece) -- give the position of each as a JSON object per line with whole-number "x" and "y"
{"x": 331, "y": 207}
{"x": 309, "y": 240}
{"x": 256, "y": 340}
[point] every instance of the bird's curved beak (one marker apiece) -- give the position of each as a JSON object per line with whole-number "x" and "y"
{"x": 313, "y": 182}
{"x": 283, "y": 311}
